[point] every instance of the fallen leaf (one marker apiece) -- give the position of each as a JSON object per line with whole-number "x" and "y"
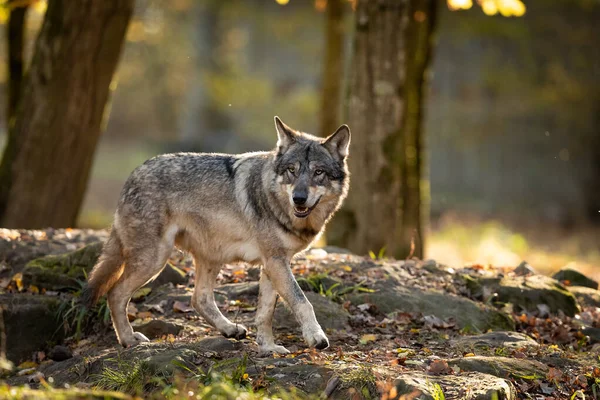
{"x": 554, "y": 374}
{"x": 439, "y": 367}
{"x": 33, "y": 289}
{"x": 141, "y": 293}
{"x": 131, "y": 312}
{"x": 469, "y": 355}
{"x": 145, "y": 314}
{"x": 18, "y": 280}
{"x": 180, "y": 306}
{"x": 364, "y": 339}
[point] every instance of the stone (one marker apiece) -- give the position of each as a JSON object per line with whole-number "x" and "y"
{"x": 467, "y": 313}
{"x": 525, "y": 293}
{"x": 593, "y": 333}
{"x": 524, "y": 269}
{"x": 60, "y": 353}
{"x": 498, "y": 339}
{"x": 336, "y": 250}
{"x": 330, "y": 315}
{"x": 235, "y": 291}
{"x": 586, "y": 296}
{"x": 575, "y": 278}
{"x": 219, "y": 344}
{"x": 170, "y": 274}
{"x": 502, "y": 367}
{"x": 31, "y": 323}
{"x": 158, "y": 328}
{"x": 471, "y": 385}
{"x": 62, "y": 271}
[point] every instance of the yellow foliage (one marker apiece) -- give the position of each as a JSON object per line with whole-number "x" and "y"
{"x": 507, "y": 8}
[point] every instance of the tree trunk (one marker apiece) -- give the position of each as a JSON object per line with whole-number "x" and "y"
{"x": 16, "y": 44}
{"x": 44, "y": 170}
{"x": 332, "y": 68}
{"x": 384, "y": 208}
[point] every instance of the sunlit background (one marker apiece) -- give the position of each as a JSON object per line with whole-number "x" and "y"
{"x": 512, "y": 118}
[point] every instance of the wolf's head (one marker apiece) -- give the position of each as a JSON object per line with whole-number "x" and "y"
{"x": 312, "y": 170}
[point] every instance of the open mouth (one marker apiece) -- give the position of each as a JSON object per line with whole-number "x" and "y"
{"x": 303, "y": 212}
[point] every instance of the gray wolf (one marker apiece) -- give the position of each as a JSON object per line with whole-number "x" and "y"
{"x": 261, "y": 208}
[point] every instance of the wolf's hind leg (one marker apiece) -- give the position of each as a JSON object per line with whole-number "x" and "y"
{"x": 203, "y": 300}
{"x": 142, "y": 264}
{"x": 267, "y": 300}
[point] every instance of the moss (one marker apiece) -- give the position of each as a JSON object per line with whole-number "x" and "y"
{"x": 359, "y": 380}
{"x": 62, "y": 271}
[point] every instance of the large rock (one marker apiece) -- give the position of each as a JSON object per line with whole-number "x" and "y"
{"x": 69, "y": 271}
{"x": 472, "y": 385}
{"x": 330, "y": 315}
{"x": 31, "y": 324}
{"x": 586, "y": 296}
{"x": 466, "y": 313}
{"x": 502, "y": 367}
{"x": 495, "y": 340}
{"x": 575, "y": 278}
{"x": 62, "y": 271}
{"x": 158, "y": 328}
{"x": 525, "y": 293}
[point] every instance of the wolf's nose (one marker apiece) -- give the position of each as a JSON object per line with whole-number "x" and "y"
{"x": 299, "y": 199}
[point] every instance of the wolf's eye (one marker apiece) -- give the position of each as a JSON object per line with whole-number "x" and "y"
{"x": 292, "y": 169}
{"x": 318, "y": 171}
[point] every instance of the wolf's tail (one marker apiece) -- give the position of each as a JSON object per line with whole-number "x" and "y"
{"x": 106, "y": 272}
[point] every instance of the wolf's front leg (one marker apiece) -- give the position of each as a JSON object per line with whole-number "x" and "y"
{"x": 203, "y": 300}
{"x": 280, "y": 274}
{"x": 267, "y": 300}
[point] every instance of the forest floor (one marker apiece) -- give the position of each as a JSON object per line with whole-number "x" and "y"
{"x": 406, "y": 329}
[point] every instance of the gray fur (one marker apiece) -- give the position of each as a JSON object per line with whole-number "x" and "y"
{"x": 261, "y": 207}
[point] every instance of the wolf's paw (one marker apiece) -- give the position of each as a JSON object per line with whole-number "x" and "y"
{"x": 317, "y": 339}
{"x": 235, "y": 331}
{"x": 268, "y": 349}
{"x": 134, "y": 340}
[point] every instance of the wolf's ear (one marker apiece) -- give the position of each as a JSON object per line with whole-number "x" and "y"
{"x": 339, "y": 142}
{"x": 285, "y": 135}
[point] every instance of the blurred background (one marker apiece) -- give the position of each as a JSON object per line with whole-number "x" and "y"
{"x": 511, "y": 116}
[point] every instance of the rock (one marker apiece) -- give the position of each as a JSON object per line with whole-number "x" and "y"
{"x": 593, "y": 333}
{"x": 330, "y": 315}
{"x": 575, "y": 278}
{"x": 170, "y": 274}
{"x": 31, "y": 323}
{"x": 336, "y": 250}
{"x": 60, "y": 353}
{"x": 62, "y": 271}
{"x": 167, "y": 361}
{"x": 433, "y": 267}
{"x": 466, "y": 313}
{"x": 158, "y": 328}
{"x": 69, "y": 270}
{"x": 219, "y": 344}
{"x": 496, "y": 340}
{"x": 524, "y": 269}
{"x": 502, "y": 367}
{"x": 525, "y": 293}
{"x": 236, "y": 291}
{"x": 586, "y": 296}
{"x": 472, "y": 385}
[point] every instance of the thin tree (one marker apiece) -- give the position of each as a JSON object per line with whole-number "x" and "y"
{"x": 47, "y": 161}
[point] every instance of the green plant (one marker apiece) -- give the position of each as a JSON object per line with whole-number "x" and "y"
{"x": 129, "y": 377}
{"x": 380, "y": 254}
{"x": 76, "y": 317}
{"x": 436, "y": 392}
{"x": 335, "y": 292}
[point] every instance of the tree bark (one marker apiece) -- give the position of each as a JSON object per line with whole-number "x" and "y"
{"x": 16, "y": 44}
{"x": 333, "y": 68}
{"x": 385, "y": 206}
{"x": 45, "y": 168}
